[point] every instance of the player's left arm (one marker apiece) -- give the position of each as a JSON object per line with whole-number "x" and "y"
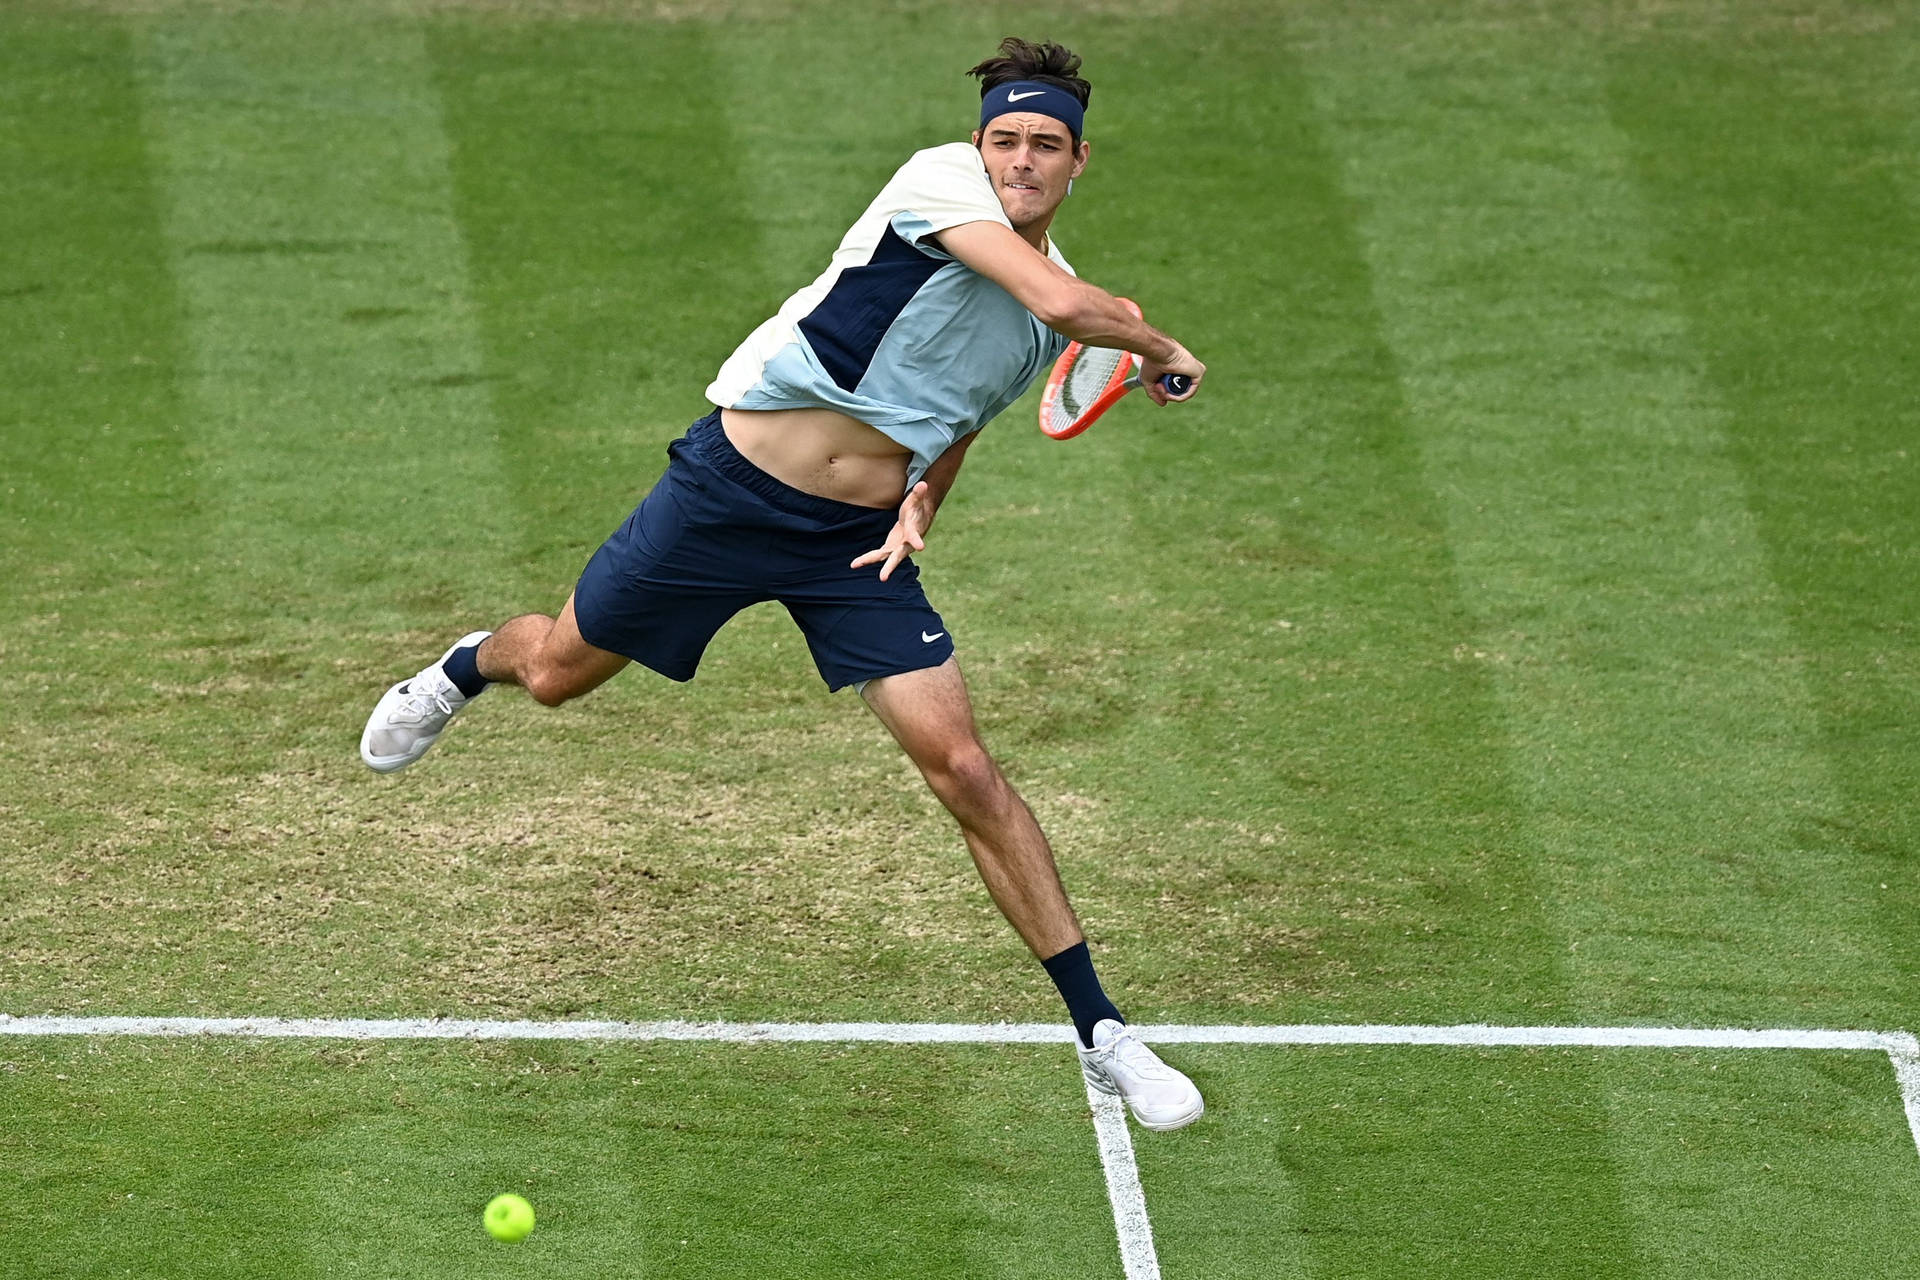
{"x": 917, "y": 509}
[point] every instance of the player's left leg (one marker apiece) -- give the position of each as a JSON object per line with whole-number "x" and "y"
{"x": 929, "y": 714}
{"x": 548, "y": 657}
{"x": 545, "y": 655}
{"x": 655, "y": 593}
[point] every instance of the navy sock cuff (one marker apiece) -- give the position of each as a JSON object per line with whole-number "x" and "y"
{"x": 463, "y": 668}
{"x": 1072, "y": 972}
{"x": 1074, "y": 957}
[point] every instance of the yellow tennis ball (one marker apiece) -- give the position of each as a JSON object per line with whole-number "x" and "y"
{"x": 508, "y": 1217}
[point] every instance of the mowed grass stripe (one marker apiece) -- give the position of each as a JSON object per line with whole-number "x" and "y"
{"x": 342, "y": 402}
{"x": 1289, "y": 730}
{"x": 100, "y": 486}
{"x": 97, "y": 480}
{"x": 1664, "y": 743}
{"x": 1782, "y": 186}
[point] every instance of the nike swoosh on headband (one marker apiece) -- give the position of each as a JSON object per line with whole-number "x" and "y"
{"x": 1031, "y": 93}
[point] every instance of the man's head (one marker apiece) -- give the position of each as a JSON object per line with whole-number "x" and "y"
{"x": 1032, "y": 108}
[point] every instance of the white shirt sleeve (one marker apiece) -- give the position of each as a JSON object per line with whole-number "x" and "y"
{"x": 939, "y": 188}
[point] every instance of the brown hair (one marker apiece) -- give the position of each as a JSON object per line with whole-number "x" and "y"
{"x": 1046, "y": 63}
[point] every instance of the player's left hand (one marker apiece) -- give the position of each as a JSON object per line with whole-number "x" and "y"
{"x": 916, "y": 513}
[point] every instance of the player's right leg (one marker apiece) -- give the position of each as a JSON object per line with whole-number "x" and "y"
{"x": 929, "y": 714}
{"x": 546, "y": 656}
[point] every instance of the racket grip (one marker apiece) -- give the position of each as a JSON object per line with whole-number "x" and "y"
{"x": 1176, "y": 384}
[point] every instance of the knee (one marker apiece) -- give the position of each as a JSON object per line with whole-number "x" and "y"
{"x": 550, "y": 686}
{"x": 966, "y": 778}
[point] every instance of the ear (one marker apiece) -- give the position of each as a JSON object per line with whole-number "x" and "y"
{"x": 1080, "y": 160}
{"x": 976, "y": 139}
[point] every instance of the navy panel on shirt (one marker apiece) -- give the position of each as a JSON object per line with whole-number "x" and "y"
{"x": 845, "y": 329}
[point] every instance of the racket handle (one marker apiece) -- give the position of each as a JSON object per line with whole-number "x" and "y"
{"x": 1176, "y": 384}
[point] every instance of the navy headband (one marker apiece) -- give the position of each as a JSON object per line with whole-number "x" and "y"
{"x": 1031, "y": 95}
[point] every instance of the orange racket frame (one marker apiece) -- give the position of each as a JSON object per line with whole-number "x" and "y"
{"x": 1125, "y": 377}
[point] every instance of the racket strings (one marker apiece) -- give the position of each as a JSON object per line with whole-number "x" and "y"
{"x": 1088, "y": 379}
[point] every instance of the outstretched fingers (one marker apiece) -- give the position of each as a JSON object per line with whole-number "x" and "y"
{"x": 893, "y": 553}
{"x": 905, "y": 537}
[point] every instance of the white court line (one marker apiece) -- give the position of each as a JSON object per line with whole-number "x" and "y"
{"x": 1904, "y": 1050}
{"x": 1469, "y": 1034}
{"x": 1130, "y": 1221}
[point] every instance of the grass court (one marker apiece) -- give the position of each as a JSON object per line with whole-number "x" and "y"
{"x": 1520, "y": 628}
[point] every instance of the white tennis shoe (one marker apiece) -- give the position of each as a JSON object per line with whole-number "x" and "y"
{"x": 1120, "y": 1063}
{"x": 410, "y": 717}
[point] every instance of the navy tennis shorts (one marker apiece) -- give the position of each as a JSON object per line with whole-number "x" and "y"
{"x": 717, "y": 534}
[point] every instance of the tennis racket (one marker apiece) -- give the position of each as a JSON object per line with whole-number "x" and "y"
{"x": 1088, "y": 381}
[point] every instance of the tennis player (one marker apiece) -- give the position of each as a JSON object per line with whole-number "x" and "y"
{"x": 839, "y": 427}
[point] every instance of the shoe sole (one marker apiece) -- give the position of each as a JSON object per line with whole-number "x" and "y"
{"x": 1167, "y": 1126}
{"x": 387, "y": 764}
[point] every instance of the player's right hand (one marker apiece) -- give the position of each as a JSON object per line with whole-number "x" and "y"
{"x": 916, "y": 513}
{"x": 1183, "y": 362}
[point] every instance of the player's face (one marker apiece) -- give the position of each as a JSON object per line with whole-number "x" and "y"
{"x": 1030, "y": 159}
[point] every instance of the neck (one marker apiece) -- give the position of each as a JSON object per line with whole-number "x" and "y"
{"x": 1035, "y": 234}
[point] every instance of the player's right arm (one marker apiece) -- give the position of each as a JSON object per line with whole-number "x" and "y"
{"x": 1069, "y": 305}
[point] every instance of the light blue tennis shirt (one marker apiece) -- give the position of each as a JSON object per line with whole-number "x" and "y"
{"x": 896, "y": 332}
